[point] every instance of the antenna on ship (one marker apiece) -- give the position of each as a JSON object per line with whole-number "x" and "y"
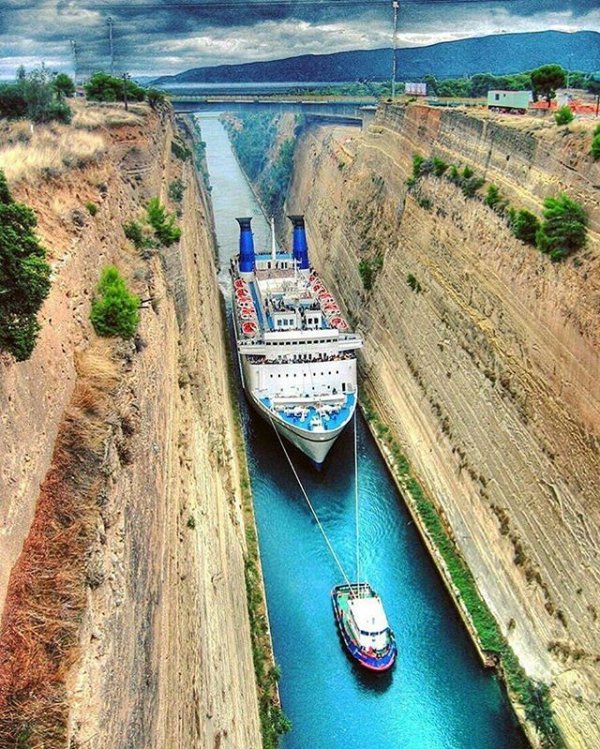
{"x": 273, "y": 246}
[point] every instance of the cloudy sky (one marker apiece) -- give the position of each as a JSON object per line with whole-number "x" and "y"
{"x": 168, "y": 36}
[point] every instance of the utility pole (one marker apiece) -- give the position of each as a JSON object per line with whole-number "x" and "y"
{"x": 110, "y": 22}
{"x": 396, "y": 8}
{"x": 125, "y": 77}
{"x": 75, "y": 53}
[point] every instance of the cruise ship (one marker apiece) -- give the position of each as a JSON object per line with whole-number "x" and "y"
{"x": 295, "y": 348}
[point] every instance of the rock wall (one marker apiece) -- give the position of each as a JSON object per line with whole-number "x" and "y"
{"x": 483, "y": 357}
{"x": 165, "y": 653}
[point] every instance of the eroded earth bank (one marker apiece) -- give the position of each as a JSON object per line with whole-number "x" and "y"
{"x": 482, "y": 357}
{"x": 122, "y": 541}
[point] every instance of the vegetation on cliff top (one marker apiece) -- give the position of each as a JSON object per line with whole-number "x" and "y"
{"x": 24, "y": 276}
{"x": 533, "y": 695}
{"x": 37, "y": 96}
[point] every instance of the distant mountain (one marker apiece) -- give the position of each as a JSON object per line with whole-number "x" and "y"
{"x": 498, "y": 54}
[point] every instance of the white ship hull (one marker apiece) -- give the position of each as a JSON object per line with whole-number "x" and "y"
{"x": 316, "y": 446}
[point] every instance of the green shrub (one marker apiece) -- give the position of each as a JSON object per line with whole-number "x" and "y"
{"x": 115, "y": 311}
{"x": 439, "y": 166}
{"x": 92, "y": 208}
{"x": 492, "y": 197}
{"x": 595, "y": 150}
{"x": 24, "y": 276}
{"x": 453, "y": 174}
{"x": 467, "y": 172}
{"x": 413, "y": 283}
{"x": 470, "y": 185}
{"x": 133, "y": 231}
{"x": 563, "y": 116}
{"x": 424, "y": 203}
{"x": 155, "y": 97}
{"x": 365, "y": 269}
{"x": 564, "y": 229}
{"x": 524, "y": 225}
{"x": 180, "y": 151}
{"x": 417, "y": 163}
{"x": 163, "y": 223}
{"x": 176, "y": 189}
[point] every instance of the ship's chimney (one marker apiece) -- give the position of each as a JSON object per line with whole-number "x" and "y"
{"x": 246, "y": 246}
{"x": 299, "y": 245}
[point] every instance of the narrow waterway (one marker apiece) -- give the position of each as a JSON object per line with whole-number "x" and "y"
{"x": 437, "y": 696}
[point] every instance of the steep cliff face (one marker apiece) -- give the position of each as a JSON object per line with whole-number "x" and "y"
{"x": 164, "y": 655}
{"x": 483, "y": 357}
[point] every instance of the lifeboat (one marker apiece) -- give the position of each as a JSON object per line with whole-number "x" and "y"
{"x": 249, "y": 328}
{"x": 238, "y": 284}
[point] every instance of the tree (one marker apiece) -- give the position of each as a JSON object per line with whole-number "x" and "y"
{"x": 104, "y": 87}
{"x": 547, "y": 79}
{"x": 564, "y": 229}
{"x": 33, "y": 96}
{"x": 115, "y": 311}
{"x": 24, "y": 276}
{"x": 63, "y": 85}
{"x": 155, "y": 97}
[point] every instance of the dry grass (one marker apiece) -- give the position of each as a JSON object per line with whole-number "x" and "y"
{"x": 50, "y": 150}
{"x": 90, "y": 116}
{"x": 39, "y": 637}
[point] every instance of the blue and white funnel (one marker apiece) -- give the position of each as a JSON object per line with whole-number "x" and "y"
{"x": 299, "y": 244}
{"x": 246, "y": 245}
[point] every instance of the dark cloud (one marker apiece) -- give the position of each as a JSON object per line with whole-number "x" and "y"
{"x": 162, "y": 36}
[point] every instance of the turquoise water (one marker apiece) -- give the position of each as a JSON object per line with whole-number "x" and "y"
{"x": 437, "y": 696}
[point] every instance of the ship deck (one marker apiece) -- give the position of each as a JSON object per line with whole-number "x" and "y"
{"x": 301, "y": 415}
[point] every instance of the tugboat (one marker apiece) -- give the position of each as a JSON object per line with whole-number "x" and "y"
{"x": 364, "y": 626}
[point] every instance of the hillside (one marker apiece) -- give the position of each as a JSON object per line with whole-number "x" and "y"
{"x": 498, "y": 54}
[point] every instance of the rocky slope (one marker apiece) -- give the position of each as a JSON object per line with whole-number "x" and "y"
{"x": 483, "y": 357}
{"x": 163, "y": 655}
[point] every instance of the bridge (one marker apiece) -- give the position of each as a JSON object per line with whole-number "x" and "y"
{"x": 342, "y": 111}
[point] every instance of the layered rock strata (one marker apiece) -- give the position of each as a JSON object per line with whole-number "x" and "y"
{"x": 483, "y": 357}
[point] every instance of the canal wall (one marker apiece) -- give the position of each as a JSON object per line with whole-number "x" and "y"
{"x": 481, "y": 358}
{"x": 125, "y": 621}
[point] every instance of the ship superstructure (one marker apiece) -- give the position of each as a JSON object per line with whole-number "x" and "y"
{"x": 295, "y": 348}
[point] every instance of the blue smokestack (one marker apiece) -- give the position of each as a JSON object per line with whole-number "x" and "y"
{"x": 299, "y": 245}
{"x": 246, "y": 246}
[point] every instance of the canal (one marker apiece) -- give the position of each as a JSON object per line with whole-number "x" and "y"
{"x": 437, "y": 696}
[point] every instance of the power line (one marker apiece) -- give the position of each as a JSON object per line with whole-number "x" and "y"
{"x": 225, "y": 4}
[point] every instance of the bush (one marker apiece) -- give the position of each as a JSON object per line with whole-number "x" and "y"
{"x": 524, "y": 225}
{"x": 417, "y": 163}
{"x": 115, "y": 311}
{"x": 365, "y": 270}
{"x": 413, "y": 283}
{"x": 595, "y": 150}
{"x": 176, "y": 189}
{"x": 471, "y": 184}
{"x": 133, "y": 231}
{"x": 163, "y": 223}
{"x": 92, "y": 208}
{"x": 563, "y": 116}
{"x": 492, "y": 197}
{"x": 564, "y": 229}
{"x": 155, "y": 97}
{"x": 439, "y": 166}
{"x": 24, "y": 276}
{"x": 180, "y": 151}
{"x": 34, "y": 96}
